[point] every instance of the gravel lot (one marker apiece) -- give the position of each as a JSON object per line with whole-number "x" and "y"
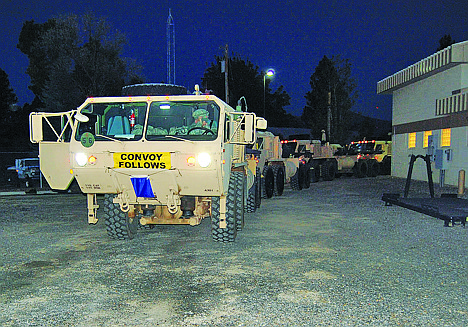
{"x": 332, "y": 255}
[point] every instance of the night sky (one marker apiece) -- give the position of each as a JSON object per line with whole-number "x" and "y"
{"x": 378, "y": 37}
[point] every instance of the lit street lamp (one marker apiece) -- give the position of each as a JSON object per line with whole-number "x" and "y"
{"x": 269, "y": 73}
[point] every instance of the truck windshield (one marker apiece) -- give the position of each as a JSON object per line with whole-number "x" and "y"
{"x": 364, "y": 148}
{"x": 109, "y": 121}
{"x": 187, "y": 120}
{"x": 190, "y": 120}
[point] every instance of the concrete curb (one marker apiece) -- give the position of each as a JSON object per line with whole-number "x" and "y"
{"x": 25, "y": 192}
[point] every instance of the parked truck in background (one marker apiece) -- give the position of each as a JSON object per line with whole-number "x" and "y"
{"x": 328, "y": 161}
{"x": 279, "y": 167}
{"x": 170, "y": 159}
{"x": 25, "y": 171}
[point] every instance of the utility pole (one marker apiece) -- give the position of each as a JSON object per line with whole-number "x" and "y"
{"x": 170, "y": 35}
{"x": 226, "y": 75}
{"x": 329, "y": 118}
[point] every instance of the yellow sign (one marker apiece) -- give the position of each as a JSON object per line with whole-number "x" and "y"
{"x": 143, "y": 160}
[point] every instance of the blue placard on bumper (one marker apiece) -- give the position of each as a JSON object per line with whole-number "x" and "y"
{"x": 142, "y": 187}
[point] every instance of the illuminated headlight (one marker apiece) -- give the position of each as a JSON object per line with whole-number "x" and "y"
{"x": 204, "y": 159}
{"x": 81, "y": 159}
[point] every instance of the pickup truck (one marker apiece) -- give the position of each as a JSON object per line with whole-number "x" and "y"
{"x": 24, "y": 171}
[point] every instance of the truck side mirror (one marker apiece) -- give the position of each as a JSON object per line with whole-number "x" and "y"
{"x": 81, "y": 118}
{"x": 35, "y": 128}
{"x": 249, "y": 128}
{"x": 241, "y": 128}
{"x": 261, "y": 123}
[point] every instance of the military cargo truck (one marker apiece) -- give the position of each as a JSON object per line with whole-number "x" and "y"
{"x": 278, "y": 167}
{"x": 172, "y": 159}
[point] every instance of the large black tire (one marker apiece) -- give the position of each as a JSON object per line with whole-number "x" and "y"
{"x": 118, "y": 224}
{"x": 251, "y": 205}
{"x": 269, "y": 182}
{"x": 360, "y": 169}
{"x": 258, "y": 191}
{"x": 315, "y": 172}
{"x": 295, "y": 181}
{"x": 278, "y": 174}
{"x": 229, "y": 233}
{"x": 386, "y": 168}
{"x": 240, "y": 198}
{"x": 307, "y": 176}
{"x": 328, "y": 170}
{"x": 373, "y": 168}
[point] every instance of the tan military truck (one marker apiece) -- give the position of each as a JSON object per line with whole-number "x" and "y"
{"x": 278, "y": 167}
{"x": 361, "y": 159}
{"x": 172, "y": 159}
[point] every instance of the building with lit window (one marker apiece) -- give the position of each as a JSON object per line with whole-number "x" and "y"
{"x": 430, "y": 114}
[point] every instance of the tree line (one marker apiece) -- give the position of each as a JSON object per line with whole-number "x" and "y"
{"x": 72, "y": 58}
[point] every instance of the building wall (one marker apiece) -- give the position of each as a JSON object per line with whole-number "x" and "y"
{"x": 416, "y": 103}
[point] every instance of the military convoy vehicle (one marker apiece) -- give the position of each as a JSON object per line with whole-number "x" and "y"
{"x": 328, "y": 161}
{"x": 278, "y": 167}
{"x": 170, "y": 159}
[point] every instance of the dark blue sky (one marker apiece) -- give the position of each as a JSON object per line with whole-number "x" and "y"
{"x": 378, "y": 37}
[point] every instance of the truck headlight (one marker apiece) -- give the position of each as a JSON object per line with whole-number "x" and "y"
{"x": 81, "y": 159}
{"x": 204, "y": 159}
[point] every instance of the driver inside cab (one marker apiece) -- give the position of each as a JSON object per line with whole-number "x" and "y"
{"x": 202, "y": 123}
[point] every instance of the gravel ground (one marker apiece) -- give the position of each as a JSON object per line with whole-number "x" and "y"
{"x": 332, "y": 255}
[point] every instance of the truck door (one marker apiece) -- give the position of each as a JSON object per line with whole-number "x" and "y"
{"x": 55, "y": 165}
{"x": 53, "y": 131}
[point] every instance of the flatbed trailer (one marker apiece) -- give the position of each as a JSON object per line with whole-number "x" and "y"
{"x": 448, "y": 207}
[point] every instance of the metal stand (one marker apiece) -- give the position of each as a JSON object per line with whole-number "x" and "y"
{"x": 427, "y": 159}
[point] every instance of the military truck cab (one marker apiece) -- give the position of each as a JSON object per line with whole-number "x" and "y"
{"x": 172, "y": 159}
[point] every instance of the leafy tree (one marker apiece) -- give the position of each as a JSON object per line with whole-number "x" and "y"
{"x": 246, "y": 80}
{"x": 78, "y": 57}
{"x": 39, "y": 62}
{"x": 7, "y": 98}
{"x": 13, "y": 120}
{"x": 332, "y": 95}
{"x": 445, "y": 42}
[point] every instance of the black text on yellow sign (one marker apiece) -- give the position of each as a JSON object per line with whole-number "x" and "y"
{"x": 143, "y": 160}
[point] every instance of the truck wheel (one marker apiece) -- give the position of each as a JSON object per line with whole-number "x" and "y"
{"x": 252, "y": 194}
{"x": 269, "y": 179}
{"x": 240, "y": 198}
{"x": 118, "y": 224}
{"x": 328, "y": 171}
{"x": 278, "y": 174}
{"x": 314, "y": 173}
{"x": 258, "y": 189}
{"x": 251, "y": 199}
{"x": 307, "y": 176}
{"x": 360, "y": 169}
{"x": 373, "y": 168}
{"x": 295, "y": 182}
{"x": 386, "y": 166}
{"x": 229, "y": 233}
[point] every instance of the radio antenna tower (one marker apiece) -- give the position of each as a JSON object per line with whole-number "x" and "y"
{"x": 170, "y": 35}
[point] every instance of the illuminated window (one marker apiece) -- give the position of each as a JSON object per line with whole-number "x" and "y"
{"x": 411, "y": 140}
{"x": 446, "y": 136}
{"x": 426, "y": 138}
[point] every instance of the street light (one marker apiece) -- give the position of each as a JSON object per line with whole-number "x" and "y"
{"x": 269, "y": 73}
